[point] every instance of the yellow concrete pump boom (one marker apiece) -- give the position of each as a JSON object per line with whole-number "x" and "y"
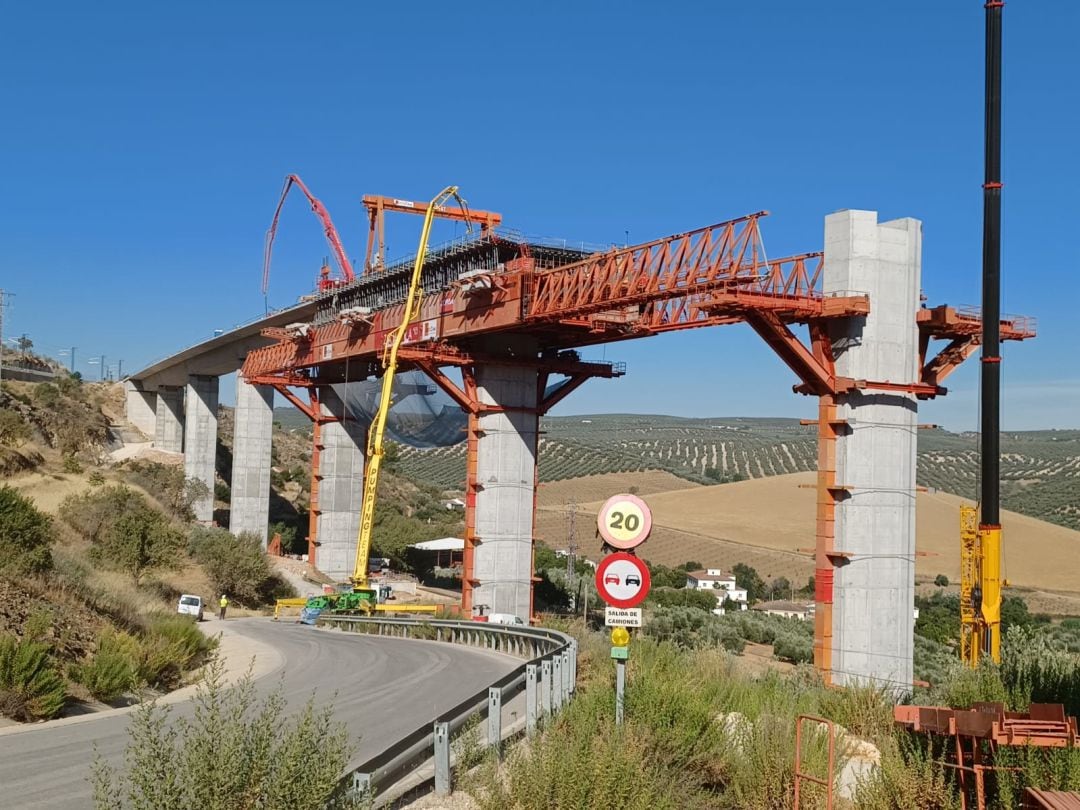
{"x": 390, "y": 363}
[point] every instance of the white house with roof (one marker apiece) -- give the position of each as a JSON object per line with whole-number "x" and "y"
{"x": 789, "y": 610}
{"x": 721, "y": 584}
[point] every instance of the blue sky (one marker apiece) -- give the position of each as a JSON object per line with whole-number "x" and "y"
{"x": 144, "y": 146}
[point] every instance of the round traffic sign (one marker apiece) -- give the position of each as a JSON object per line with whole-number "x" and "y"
{"x": 624, "y": 521}
{"x": 622, "y": 580}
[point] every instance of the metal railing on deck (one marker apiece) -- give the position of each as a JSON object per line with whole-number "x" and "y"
{"x": 547, "y": 677}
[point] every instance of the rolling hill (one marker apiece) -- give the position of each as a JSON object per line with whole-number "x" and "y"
{"x": 1040, "y": 469}
{"x": 763, "y": 523}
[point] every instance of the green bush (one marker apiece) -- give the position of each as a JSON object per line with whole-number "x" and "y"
{"x": 25, "y": 534}
{"x": 794, "y": 648}
{"x": 237, "y": 750}
{"x": 1035, "y": 669}
{"x": 113, "y": 668}
{"x": 30, "y": 686}
{"x": 683, "y": 597}
{"x": 237, "y": 566}
{"x": 171, "y": 645}
{"x": 910, "y": 777}
{"x": 92, "y": 513}
{"x": 140, "y": 541}
{"x": 13, "y": 428}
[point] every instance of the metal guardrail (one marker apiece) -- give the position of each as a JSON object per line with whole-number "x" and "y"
{"x": 547, "y": 677}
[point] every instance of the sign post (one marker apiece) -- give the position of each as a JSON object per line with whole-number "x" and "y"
{"x": 620, "y": 638}
{"x": 622, "y": 580}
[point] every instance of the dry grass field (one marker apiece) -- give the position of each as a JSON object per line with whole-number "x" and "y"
{"x": 763, "y": 522}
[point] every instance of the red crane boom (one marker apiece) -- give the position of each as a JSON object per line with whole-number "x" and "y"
{"x": 344, "y": 265}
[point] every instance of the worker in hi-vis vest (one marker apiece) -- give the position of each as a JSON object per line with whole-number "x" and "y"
{"x": 224, "y": 604}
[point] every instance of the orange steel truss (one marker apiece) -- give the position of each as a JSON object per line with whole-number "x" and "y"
{"x": 711, "y": 276}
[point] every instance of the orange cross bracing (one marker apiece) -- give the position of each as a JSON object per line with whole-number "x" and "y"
{"x": 711, "y": 276}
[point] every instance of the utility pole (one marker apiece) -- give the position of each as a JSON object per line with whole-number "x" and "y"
{"x": 571, "y": 552}
{"x": 72, "y": 367}
{"x": 103, "y": 369}
{"x": 4, "y": 296}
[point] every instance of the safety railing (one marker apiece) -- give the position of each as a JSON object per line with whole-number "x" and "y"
{"x": 547, "y": 676}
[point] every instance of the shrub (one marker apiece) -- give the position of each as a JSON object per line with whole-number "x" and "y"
{"x": 172, "y": 644}
{"x": 910, "y": 777}
{"x": 30, "y": 686}
{"x": 139, "y": 541}
{"x": 113, "y": 668}
{"x": 1034, "y": 669}
{"x": 237, "y": 566}
{"x": 169, "y": 486}
{"x": 941, "y": 581}
{"x": 793, "y": 648}
{"x": 237, "y": 751}
{"x": 25, "y": 534}
{"x": 92, "y": 513}
{"x": 13, "y": 428}
{"x": 683, "y": 597}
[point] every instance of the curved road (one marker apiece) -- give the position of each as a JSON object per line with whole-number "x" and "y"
{"x": 385, "y": 688}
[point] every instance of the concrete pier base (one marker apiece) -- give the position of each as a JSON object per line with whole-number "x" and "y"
{"x": 506, "y": 476}
{"x": 875, "y": 454}
{"x": 341, "y": 488}
{"x": 141, "y": 408}
{"x": 200, "y": 439}
{"x": 168, "y": 430}
{"x": 252, "y": 430}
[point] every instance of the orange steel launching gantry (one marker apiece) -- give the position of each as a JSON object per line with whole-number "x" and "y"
{"x": 500, "y": 298}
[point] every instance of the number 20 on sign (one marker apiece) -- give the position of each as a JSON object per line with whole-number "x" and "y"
{"x": 624, "y": 521}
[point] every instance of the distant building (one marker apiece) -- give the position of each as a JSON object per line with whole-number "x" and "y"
{"x": 455, "y": 504}
{"x": 789, "y": 610}
{"x": 721, "y": 584}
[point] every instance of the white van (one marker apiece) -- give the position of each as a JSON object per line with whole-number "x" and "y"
{"x": 504, "y": 618}
{"x": 191, "y": 605}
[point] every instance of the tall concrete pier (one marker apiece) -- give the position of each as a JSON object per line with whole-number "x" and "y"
{"x": 506, "y": 479}
{"x": 252, "y": 432}
{"x": 341, "y": 481}
{"x": 169, "y": 420}
{"x": 200, "y": 439}
{"x": 874, "y": 593}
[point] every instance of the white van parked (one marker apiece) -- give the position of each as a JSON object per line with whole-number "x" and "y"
{"x": 504, "y": 618}
{"x": 191, "y": 605}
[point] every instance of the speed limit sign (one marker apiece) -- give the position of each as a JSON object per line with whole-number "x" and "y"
{"x": 624, "y": 521}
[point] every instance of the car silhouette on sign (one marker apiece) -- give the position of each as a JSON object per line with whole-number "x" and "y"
{"x": 633, "y": 579}
{"x": 612, "y": 579}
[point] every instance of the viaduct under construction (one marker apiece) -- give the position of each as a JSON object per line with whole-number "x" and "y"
{"x": 509, "y": 312}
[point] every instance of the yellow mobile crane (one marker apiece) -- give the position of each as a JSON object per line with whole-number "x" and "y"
{"x": 363, "y": 598}
{"x": 981, "y": 578}
{"x": 377, "y": 431}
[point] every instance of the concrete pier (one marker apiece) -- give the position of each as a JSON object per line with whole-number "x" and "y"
{"x": 141, "y": 408}
{"x": 200, "y": 439}
{"x": 506, "y": 475}
{"x": 875, "y": 455}
{"x": 169, "y": 420}
{"x": 252, "y": 430}
{"x": 341, "y": 485}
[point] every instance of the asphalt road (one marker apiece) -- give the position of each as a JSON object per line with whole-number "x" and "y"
{"x": 382, "y": 688}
